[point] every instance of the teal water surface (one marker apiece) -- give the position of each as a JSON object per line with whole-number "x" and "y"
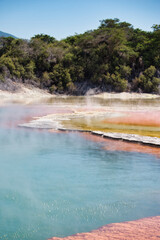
{"x": 58, "y": 184}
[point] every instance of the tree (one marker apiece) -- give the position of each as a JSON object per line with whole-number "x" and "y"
{"x": 109, "y": 23}
{"x": 45, "y": 38}
{"x": 113, "y": 57}
{"x": 147, "y": 81}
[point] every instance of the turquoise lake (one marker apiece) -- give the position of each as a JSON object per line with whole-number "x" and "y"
{"x": 58, "y": 184}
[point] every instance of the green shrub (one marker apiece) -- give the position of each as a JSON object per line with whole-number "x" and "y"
{"x": 29, "y": 70}
{"x": 2, "y": 78}
{"x": 116, "y": 83}
{"x": 8, "y": 62}
{"x": 147, "y": 81}
{"x": 53, "y": 88}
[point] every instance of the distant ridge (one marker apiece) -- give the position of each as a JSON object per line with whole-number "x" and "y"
{"x": 3, "y": 34}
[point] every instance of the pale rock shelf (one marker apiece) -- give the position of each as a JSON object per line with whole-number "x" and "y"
{"x": 130, "y": 138}
{"x": 122, "y": 136}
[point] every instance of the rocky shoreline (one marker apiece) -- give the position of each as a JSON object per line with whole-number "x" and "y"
{"x": 134, "y": 138}
{"x": 16, "y": 91}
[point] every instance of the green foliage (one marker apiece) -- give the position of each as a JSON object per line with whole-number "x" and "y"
{"x": 45, "y": 38}
{"x": 29, "y": 70}
{"x": 68, "y": 58}
{"x": 19, "y": 70}
{"x": 147, "y": 81}
{"x": 114, "y": 57}
{"x": 2, "y": 78}
{"x": 8, "y": 63}
{"x": 53, "y": 89}
{"x": 125, "y": 71}
{"x": 45, "y": 76}
{"x": 156, "y": 27}
{"x": 109, "y": 23}
{"x": 70, "y": 87}
{"x": 116, "y": 82}
{"x": 60, "y": 77}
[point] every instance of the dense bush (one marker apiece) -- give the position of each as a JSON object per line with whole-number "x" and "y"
{"x": 114, "y": 57}
{"x": 147, "y": 81}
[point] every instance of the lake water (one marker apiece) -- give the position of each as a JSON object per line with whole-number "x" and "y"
{"x": 58, "y": 184}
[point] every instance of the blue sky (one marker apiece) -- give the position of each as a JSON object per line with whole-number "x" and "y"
{"x": 62, "y": 18}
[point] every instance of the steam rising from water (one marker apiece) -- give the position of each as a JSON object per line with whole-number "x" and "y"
{"x": 59, "y": 184}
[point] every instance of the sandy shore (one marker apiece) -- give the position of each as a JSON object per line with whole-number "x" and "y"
{"x": 24, "y": 95}
{"x": 27, "y": 94}
{"x": 143, "y": 229}
{"x": 126, "y": 96}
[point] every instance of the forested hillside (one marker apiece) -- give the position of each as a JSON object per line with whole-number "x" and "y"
{"x": 114, "y": 57}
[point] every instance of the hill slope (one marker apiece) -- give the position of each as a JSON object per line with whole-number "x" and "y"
{"x": 114, "y": 57}
{"x": 3, "y": 34}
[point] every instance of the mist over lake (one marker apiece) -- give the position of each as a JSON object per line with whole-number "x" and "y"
{"x": 58, "y": 184}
